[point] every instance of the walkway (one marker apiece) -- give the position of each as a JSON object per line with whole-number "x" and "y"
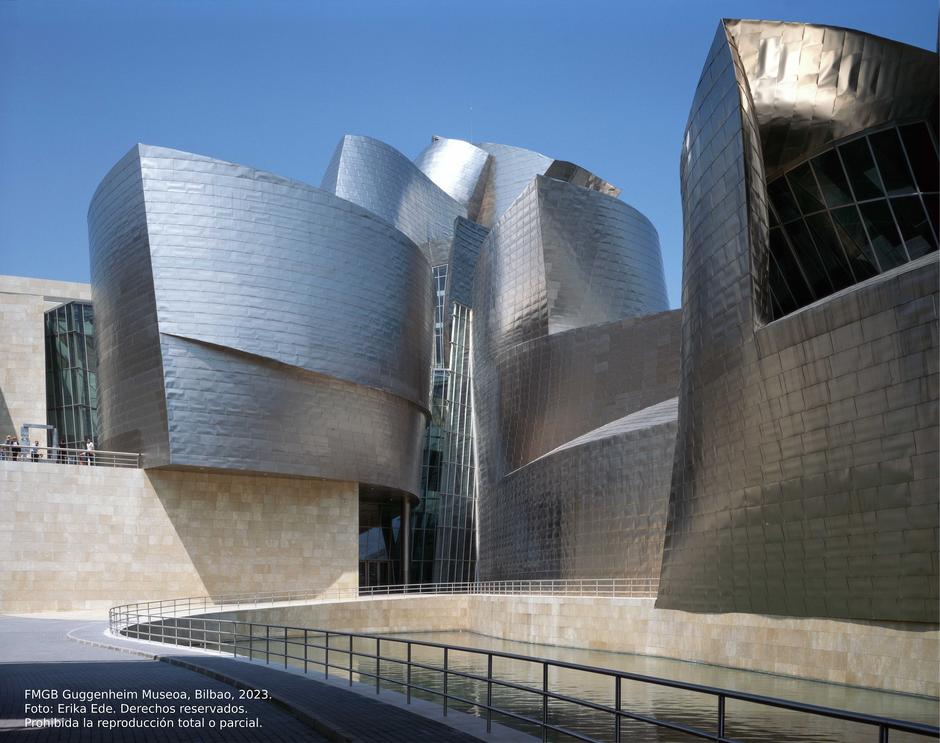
{"x": 36, "y": 654}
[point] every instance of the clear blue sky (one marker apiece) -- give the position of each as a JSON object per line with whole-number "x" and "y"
{"x": 274, "y": 85}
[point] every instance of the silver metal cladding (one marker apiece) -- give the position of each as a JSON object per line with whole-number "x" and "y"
{"x": 805, "y": 472}
{"x": 571, "y": 332}
{"x": 266, "y": 308}
{"x": 594, "y": 507}
{"x": 380, "y": 179}
{"x": 459, "y": 168}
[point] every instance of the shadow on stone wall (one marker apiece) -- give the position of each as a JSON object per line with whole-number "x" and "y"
{"x": 249, "y": 533}
{"x": 6, "y": 420}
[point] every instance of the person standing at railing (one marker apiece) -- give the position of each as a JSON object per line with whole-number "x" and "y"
{"x": 34, "y": 451}
{"x": 15, "y": 448}
{"x": 90, "y": 452}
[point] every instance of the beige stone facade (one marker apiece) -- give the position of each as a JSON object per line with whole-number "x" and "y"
{"x": 890, "y": 656}
{"x": 23, "y": 302}
{"x": 76, "y": 537}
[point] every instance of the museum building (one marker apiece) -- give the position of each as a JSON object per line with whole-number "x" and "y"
{"x": 472, "y": 353}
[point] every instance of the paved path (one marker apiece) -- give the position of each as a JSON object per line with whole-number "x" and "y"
{"x": 35, "y": 653}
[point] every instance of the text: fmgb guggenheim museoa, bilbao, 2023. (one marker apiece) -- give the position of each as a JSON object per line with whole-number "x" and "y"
{"x": 485, "y": 332}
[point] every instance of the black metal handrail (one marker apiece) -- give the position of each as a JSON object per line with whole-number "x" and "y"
{"x": 229, "y": 636}
{"x": 65, "y": 455}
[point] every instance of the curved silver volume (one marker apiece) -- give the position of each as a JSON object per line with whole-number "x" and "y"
{"x": 571, "y": 333}
{"x": 379, "y": 178}
{"x": 805, "y": 478}
{"x": 459, "y": 168}
{"x": 255, "y": 323}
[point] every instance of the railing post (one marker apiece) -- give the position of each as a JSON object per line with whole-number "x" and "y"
{"x": 378, "y": 663}
{"x": 489, "y": 692}
{"x": 882, "y": 734}
{"x": 285, "y": 647}
{"x": 267, "y": 643}
{"x": 721, "y": 715}
{"x": 544, "y": 701}
{"x": 617, "y": 702}
{"x": 408, "y": 675}
{"x": 445, "y": 682}
{"x": 350, "y": 658}
{"x": 326, "y": 660}
{"x": 234, "y": 638}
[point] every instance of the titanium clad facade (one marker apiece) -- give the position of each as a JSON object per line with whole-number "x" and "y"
{"x": 565, "y": 257}
{"x": 511, "y": 171}
{"x": 571, "y": 333}
{"x": 594, "y": 507}
{"x": 380, "y": 179}
{"x": 806, "y": 473}
{"x": 459, "y": 168}
{"x": 269, "y": 347}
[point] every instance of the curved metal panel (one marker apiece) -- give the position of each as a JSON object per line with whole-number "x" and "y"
{"x": 571, "y": 333}
{"x": 459, "y": 168}
{"x": 276, "y": 268}
{"x": 380, "y": 179}
{"x": 814, "y": 84}
{"x": 233, "y": 411}
{"x": 511, "y": 171}
{"x": 535, "y": 396}
{"x": 132, "y": 412}
{"x": 595, "y": 507}
{"x": 564, "y": 257}
{"x": 805, "y": 449}
{"x": 465, "y": 250}
{"x": 262, "y": 283}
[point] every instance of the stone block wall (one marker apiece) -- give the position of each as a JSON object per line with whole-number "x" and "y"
{"x": 75, "y": 537}
{"x": 894, "y": 656}
{"x": 23, "y": 302}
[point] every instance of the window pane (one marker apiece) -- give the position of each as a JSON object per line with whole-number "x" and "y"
{"x": 914, "y": 228}
{"x": 922, "y": 155}
{"x": 932, "y": 203}
{"x": 804, "y": 187}
{"x": 848, "y": 225}
{"x": 861, "y": 169}
{"x": 789, "y": 270}
{"x": 884, "y": 235}
{"x": 88, "y": 315}
{"x": 830, "y": 251}
{"x": 832, "y": 180}
{"x": 887, "y": 148}
{"x": 782, "y": 200}
{"x": 782, "y": 300}
{"x": 805, "y": 250}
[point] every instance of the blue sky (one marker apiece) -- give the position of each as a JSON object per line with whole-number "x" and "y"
{"x": 275, "y": 84}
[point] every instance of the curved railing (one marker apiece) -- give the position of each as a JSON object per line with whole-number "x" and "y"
{"x": 347, "y": 652}
{"x": 589, "y": 587}
{"x": 65, "y": 455}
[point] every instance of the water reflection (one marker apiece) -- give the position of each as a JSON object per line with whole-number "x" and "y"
{"x": 744, "y": 721}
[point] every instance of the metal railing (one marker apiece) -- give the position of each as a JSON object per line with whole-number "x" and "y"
{"x": 342, "y": 652}
{"x": 64, "y": 455}
{"x": 588, "y": 587}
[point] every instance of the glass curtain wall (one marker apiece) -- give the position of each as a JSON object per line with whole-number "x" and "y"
{"x": 443, "y": 544}
{"x": 856, "y": 210}
{"x": 72, "y": 373}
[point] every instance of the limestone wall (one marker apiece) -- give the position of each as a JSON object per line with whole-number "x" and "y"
{"x": 74, "y": 537}
{"x": 891, "y": 656}
{"x": 23, "y": 302}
